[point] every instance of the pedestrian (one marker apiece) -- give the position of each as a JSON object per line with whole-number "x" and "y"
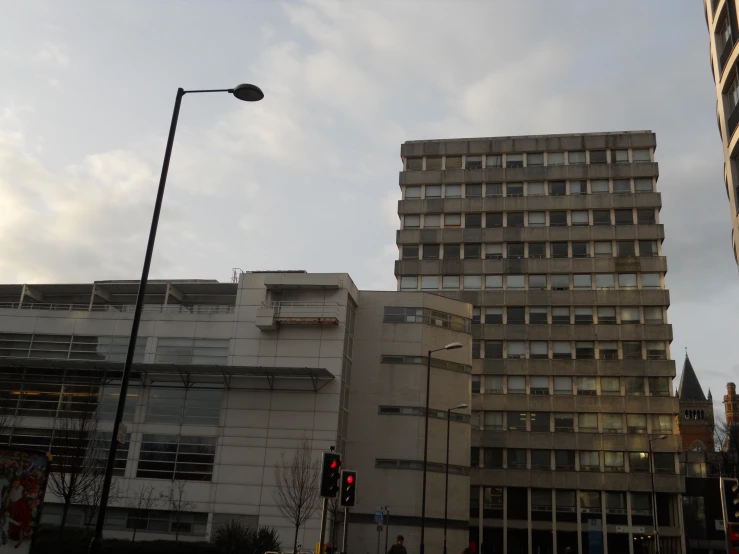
{"x": 398, "y": 547}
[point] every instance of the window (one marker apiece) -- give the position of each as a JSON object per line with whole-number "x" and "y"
{"x": 537, "y": 315}
{"x": 516, "y": 314}
{"x": 433, "y": 191}
{"x": 493, "y": 315}
{"x": 475, "y": 312}
{"x": 557, "y": 188}
{"x": 493, "y": 160}
{"x": 564, "y": 459}
{"x": 557, "y": 219}
{"x": 493, "y": 251}
{"x": 559, "y": 250}
{"x": 624, "y": 217}
{"x": 537, "y": 282}
{"x": 493, "y": 457}
{"x": 640, "y": 155}
{"x": 601, "y": 217}
{"x": 733, "y": 95}
{"x": 586, "y": 386}
{"x": 639, "y": 462}
{"x": 539, "y": 384}
{"x": 584, "y": 350}
{"x": 539, "y": 422}
{"x": 645, "y": 216}
{"x": 514, "y": 160}
{"x": 541, "y": 459}
{"x": 451, "y": 251}
{"x": 632, "y": 350}
{"x": 515, "y": 250}
{"x": 636, "y": 423}
{"x": 589, "y": 461}
{"x": 621, "y": 186}
{"x": 580, "y": 218}
{"x": 664, "y": 462}
{"x": 472, "y": 282}
{"x": 619, "y": 156}
{"x": 563, "y": 385}
{"x": 599, "y": 186}
{"x": 433, "y": 164}
{"x": 578, "y": 187}
{"x": 606, "y": 315}
{"x": 516, "y": 384}
{"x": 582, "y": 281}
{"x": 176, "y": 457}
{"x": 610, "y": 386}
{"x": 608, "y": 350}
{"x": 454, "y": 162}
{"x": 537, "y": 250}
{"x": 612, "y": 423}
{"x": 560, "y": 282}
{"x": 453, "y": 191}
{"x": 614, "y": 461}
{"x": 494, "y": 349}
{"x": 560, "y": 315}
{"x": 472, "y": 251}
{"x": 409, "y": 283}
{"x": 473, "y": 162}
{"x": 627, "y": 281}
{"x": 403, "y": 315}
{"x": 537, "y": 219}
{"x": 192, "y": 351}
{"x": 494, "y": 190}
{"x": 653, "y": 314}
{"x": 493, "y": 282}
{"x": 430, "y": 251}
{"x": 493, "y": 385}
{"x": 450, "y": 282}
{"x": 476, "y": 349}
{"x": 656, "y": 351}
{"x": 410, "y": 252}
{"x": 625, "y": 248}
{"x": 514, "y": 189}
{"x": 452, "y": 220}
{"x": 605, "y": 281}
{"x": 516, "y": 421}
{"x": 643, "y": 185}
{"x": 414, "y": 164}
{"x": 412, "y": 192}
{"x": 516, "y": 349}
{"x": 561, "y": 350}
{"x": 430, "y": 282}
{"x": 576, "y": 157}
{"x": 473, "y": 191}
{"x": 650, "y": 280}
{"x": 634, "y": 386}
{"x": 515, "y": 219}
{"x": 517, "y": 458}
{"x": 494, "y": 421}
{"x": 587, "y": 423}
{"x": 431, "y": 221}
{"x": 648, "y": 248}
{"x": 535, "y": 158}
{"x": 515, "y": 282}
{"x": 583, "y": 315}
{"x": 603, "y": 249}
{"x": 473, "y": 221}
{"x": 535, "y": 189}
{"x": 474, "y": 456}
{"x": 555, "y": 158}
{"x": 598, "y": 157}
{"x": 494, "y": 220}
{"x": 411, "y": 222}
{"x": 564, "y": 421}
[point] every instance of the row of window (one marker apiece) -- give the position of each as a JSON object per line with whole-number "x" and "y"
{"x": 552, "y": 218}
{"x": 568, "y": 422}
{"x": 533, "y": 250}
{"x": 566, "y": 315}
{"x": 568, "y": 350}
{"x": 564, "y": 282}
{"x": 566, "y": 385}
{"x": 571, "y": 460}
{"x": 425, "y": 315}
{"x": 530, "y": 188}
{"x": 530, "y": 159}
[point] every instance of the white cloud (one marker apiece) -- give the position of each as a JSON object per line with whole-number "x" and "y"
{"x": 53, "y": 54}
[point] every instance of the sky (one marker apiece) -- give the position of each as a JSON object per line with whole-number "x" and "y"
{"x": 308, "y": 177}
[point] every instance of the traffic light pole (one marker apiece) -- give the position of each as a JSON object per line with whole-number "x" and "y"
{"x": 725, "y": 512}
{"x": 343, "y": 538}
{"x": 323, "y": 526}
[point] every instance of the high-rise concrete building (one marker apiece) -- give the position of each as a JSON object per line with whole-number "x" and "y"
{"x": 556, "y": 242}
{"x": 723, "y": 32}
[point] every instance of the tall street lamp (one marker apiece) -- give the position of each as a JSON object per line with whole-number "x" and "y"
{"x": 446, "y": 476}
{"x": 247, "y": 93}
{"x": 654, "y": 494}
{"x": 451, "y": 346}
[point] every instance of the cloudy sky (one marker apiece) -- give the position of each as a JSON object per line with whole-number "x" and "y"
{"x": 308, "y": 177}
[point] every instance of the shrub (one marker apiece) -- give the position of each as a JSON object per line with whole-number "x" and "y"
{"x": 236, "y": 538}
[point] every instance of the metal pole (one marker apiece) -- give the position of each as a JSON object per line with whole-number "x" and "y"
{"x": 97, "y": 540}
{"x": 421, "y": 550}
{"x": 725, "y": 513}
{"x": 654, "y": 500}
{"x": 379, "y": 533}
{"x": 446, "y": 473}
{"x": 387, "y": 524}
{"x": 343, "y": 538}
{"x": 322, "y": 536}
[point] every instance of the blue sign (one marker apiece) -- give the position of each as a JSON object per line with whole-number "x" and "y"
{"x": 378, "y": 517}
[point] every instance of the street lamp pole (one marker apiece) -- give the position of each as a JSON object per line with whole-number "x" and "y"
{"x": 446, "y": 475}
{"x": 248, "y": 93}
{"x": 655, "y": 523}
{"x": 451, "y": 346}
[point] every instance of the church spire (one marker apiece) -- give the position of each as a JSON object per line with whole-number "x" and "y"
{"x": 690, "y": 388}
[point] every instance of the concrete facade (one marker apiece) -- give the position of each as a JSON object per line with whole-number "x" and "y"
{"x": 556, "y": 243}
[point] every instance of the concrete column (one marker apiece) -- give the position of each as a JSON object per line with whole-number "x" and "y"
{"x": 603, "y": 521}
{"x": 579, "y": 522}
{"x": 628, "y": 522}
{"x": 528, "y": 520}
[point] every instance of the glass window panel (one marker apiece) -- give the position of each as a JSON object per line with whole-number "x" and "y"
{"x": 564, "y": 459}
{"x": 539, "y": 422}
{"x": 582, "y": 281}
{"x": 589, "y": 461}
{"x": 493, "y": 160}
{"x": 587, "y": 423}
{"x": 537, "y": 250}
{"x": 473, "y": 190}
{"x": 537, "y": 282}
{"x": 453, "y": 191}
{"x": 540, "y": 384}
{"x": 576, "y": 157}
{"x": 643, "y": 185}
{"x": 516, "y": 421}
{"x": 650, "y": 280}
{"x": 493, "y": 420}
{"x": 472, "y": 282}
{"x": 603, "y": 249}
{"x": 514, "y": 160}
{"x": 555, "y": 158}
{"x": 430, "y": 282}
{"x": 610, "y": 385}
{"x": 538, "y": 315}
{"x": 535, "y": 158}
{"x": 627, "y": 281}
{"x": 493, "y": 315}
{"x": 411, "y": 221}
{"x": 606, "y": 315}
{"x": 494, "y": 384}
{"x": 515, "y": 250}
{"x": 578, "y": 187}
{"x": 450, "y": 282}
{"x": 515, "y": 282}
{"x": 560, "y": 282}
{"x": 621, "y": 186}
{"x": 493, "y": 190}
{"x": 619, "y": 156}
{"x": 580, "y": 249}
{"x": 493, "y": 282}
{"x": 432, "y": 191}
{"x": 413, "y": 192}
{"x": 559, "y": 250}
{"x": 516, "y": 349}
{"x": 494, "y": 251}
{"x": 561, "y": 349}
{"x": 494, "y": 349}
{"x": 634, "y": 386}
{"x": 640, "y": 155}
{"x": 562, "y": 384}
{"x": 580, "y": 218}
{"x": 452, "y": 220}
{"x": 539, "y": 349}
{"x": 605, "y": 281}
{"x": 608, "y": 351}
{"x": 599, "y": 186}
{"x": 629, "y": 314}
{"x": 516, "y": 384}
{"x": 537, "y": 219}
{"x": 625, "y": 248}
{"x": 535, "y": 189}
{"x": 514, "y": 189}
{"x": 432, "y": 221}
{"x": 473, "y": 162}
{"x": 494, "y": 220}
{"x": 612, "y": 423}
{"x": 557, "y": 188}
{"x": 636, "y": 423}
{"x": 409, "y": 283}
{"x": 653, "y": 314}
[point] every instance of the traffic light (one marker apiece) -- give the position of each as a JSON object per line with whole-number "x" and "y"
{"x": 331, "y": 467}
{"x": 730, "y": 488}
{"x": 348, "y": 488}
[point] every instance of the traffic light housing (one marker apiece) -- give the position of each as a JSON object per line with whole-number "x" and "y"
{"x": 731, "y": 499}
{"x": 330, "y": 473}
{"x": 348, "y": 488}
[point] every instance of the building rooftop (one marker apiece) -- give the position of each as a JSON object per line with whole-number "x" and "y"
{"x": 639, "y": 132}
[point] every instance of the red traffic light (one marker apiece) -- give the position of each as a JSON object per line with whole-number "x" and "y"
{"x": 334, "y": 465}
{"x": 350, "y": 479}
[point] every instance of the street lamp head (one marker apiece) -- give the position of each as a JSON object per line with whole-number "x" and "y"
{"x": 248, "y": 93}
{"x": 453, "y": 346}
{"x": 461, "y": 406}
{"x": 661, "y": 437}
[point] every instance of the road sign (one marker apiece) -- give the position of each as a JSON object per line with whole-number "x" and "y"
{"x": 627, "y": 529}
{"x": 378, "y": 516}
{"x": 122, "y": 432}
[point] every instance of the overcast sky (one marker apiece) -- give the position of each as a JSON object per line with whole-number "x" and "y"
{"x": 308, "y": 178}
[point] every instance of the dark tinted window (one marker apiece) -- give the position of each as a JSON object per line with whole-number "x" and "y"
{"x": 557, "y": 219}
{"x": 494, "y": 220}
{"x": 537, "y": 250}
{"x": 515, "y": 219}
{"x": 559, "y": 249}
{"x": 451, "y": 251}
{"x": 472, "y": 251}
{"x": 430, "y": 251}
{"x": 473, "y": 221}
{"x": 557, "y": 188}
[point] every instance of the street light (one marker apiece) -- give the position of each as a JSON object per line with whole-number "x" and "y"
{"x": 247, "y": 93}
{"x": 450, "y": 346}
{"x": 654, "y": 493}
{"x": 446, "y": 476}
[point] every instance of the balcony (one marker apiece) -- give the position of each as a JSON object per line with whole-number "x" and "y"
{"x": 273, "y": 314}
{"x": 122, "y": 308}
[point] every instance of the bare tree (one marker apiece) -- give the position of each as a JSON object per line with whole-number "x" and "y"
{"x": 144, "y": 498}
{"x": 296, "y": 494}
{"x": 336, "y": 513}
{"x": 178, "y": 504}
{"x": 726, "y": 439}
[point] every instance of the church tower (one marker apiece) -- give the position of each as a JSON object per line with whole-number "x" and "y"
{"x": 695, "y": 420}
{"x": 731, "y": 404}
